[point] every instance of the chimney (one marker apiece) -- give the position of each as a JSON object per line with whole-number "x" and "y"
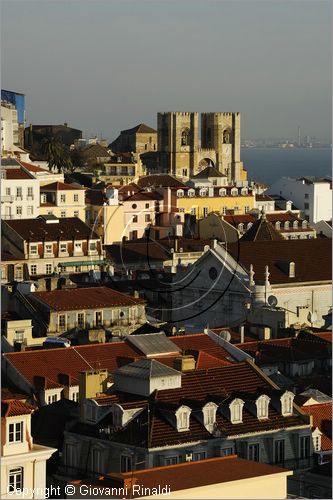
{"x": 91, "y": 384}
{"x": 184, "y": 363}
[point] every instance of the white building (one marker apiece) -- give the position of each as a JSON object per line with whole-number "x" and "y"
{"x": 23, "y": 463}
{"x": 9, "y": 127}
{"x": 19, "y": 192}
{"x": 313, "y": 196}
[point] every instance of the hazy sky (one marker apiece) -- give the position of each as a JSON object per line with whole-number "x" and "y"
{"x": 103, "y": 66}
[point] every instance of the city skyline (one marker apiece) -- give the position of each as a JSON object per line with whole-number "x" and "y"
{"x": 106, "y": 66}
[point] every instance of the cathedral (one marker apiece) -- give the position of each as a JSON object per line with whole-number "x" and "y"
{"x": 181, "y": 152}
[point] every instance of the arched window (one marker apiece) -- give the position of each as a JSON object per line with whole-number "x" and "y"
{"x": 304, "y": 224}
{"x": 203, "y": 192}
{"x": 191, "y": 193}
{"x": 287, "y": 224}
{"x": 262, "y": 406}
{"x": 236, "y": 411}
{"x": 180, "y": 193}
{"x": 226, "y": 136}
{"x": 234, "y": 192}
{"x": 209, "y": 415}
{"x": 241, "y": 227}
{"x": 278, "y": 225}
{"x": 287, "y": 400}
{"x": 185, "y": 140}
{"x": 295, "y": 224}
{"x": 222, "y": 192}
{"x": 183, "y": 418}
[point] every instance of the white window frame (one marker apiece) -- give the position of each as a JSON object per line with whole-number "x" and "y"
{"x": 262, "y": 404}
{"x": 17, "y": 484}
{"x": 236, "y": 411}
{"x": 76, "y": 198}
{"x": 183, "y": 418}
{"x": 287, "y": 402}
{"x": 15, "y": 432}
{"x": 33, "y": 269}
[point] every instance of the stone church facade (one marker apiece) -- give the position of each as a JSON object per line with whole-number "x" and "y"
{"x": 181, "y": 153}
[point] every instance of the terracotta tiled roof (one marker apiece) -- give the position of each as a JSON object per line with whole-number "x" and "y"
{"x": 15, "y": 173}
{"x": 142, "y": 196}
{"x": 85, "y": 298}
{"x": 34, "y": 168}
{"x": 262, "y": 230}
{"x": 187, "y": 475}
{"x": 52, "y": 362}
{"x": 208, "y": 172}
{"x": 312, "y": 259}
{"x": 65, "y": 229}
{"x": 161, "y": 180}
{"x": 60, "y": 186}
{"x": 139, "y": 129}
{"x": 14, "y": 407}
{"x": 322, "y": 418}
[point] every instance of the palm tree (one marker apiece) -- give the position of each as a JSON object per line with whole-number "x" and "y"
{"x": 56, "y": 154}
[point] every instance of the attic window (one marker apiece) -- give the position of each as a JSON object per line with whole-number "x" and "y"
{"x": 262, "y": 406}
{"x": 222, "y": 192}
{"x": 287, "y": 400}
{"x": 209, "y": 415}
{"x": 183, "y": 418}
{"x": 236, "y": 411}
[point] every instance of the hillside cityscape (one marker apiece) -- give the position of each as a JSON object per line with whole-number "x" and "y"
{"x": 166, "y": 250}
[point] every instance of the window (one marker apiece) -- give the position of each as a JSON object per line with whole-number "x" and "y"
{"x": 262, "y": 406}
{"x": 304, "y": 447}
{"x": 33, "y": 249}
{"x": 295, "y": 224}
{"x": 171, "y": 461}
{"x": 19, "y": 192}
{"x": 226, "y": 452}
{"x": 287, "y": 400}
{"x": 306, "y": 196}
{"x": 30, "y": 192}
{"x": 316, "y": 438}
{"x": 254, "y": 452}
{"x": 15, "y": 432}
{"x": 48, "y": 248}
{"x": 205, "y": 211}
{"x": 185, "y": 137}
{"x": 52, "y": 399}
{"x": 76, "y": 213}
{"x": 304, "y": 224}
{"x": 191, "y": 193}
{"x": 15, "y": 479}
{"x": 75, "y": 396}
{"x": 147, "y": 205}
{"x": 125, "y": 463}
{"x": 78, "y": 246}
{"x": 92, "y": 246}
{"x": 222, "y": 192}
{"x": 76, "y": 197}
{"x": 80, "y": 320}
{"x": 18, "y": 210}
{"x": 19, "y": 335}
{"x": 43, "y": 198}
{"x": 180, "y": 193}
{"x": 48, "y": 268}
{"x": 183, "y": 418}
{"x": 19, "y": 272}
{"x": 247, "y": 209}
{"x": 8, "y": 191}
{"x": 209, "y": 414}
{"x": 63, "y": 213}
{"x": 278, "y": 225}
{"x": 30, "y": 210}
{"x": 63, "y": 247}
{"x": 134, "y": 206}
{"x": 234, "y": 192}
{"x": 62, "y": 198}
{"x": 199, "y": 455}
{"x": 236, "y": 411}
{"x": 279, "y": 451}
{"x": 147, "y": 218}
{"x": 135, "y": 218}
{"x": 244, "y": 191}
{"x": 33, "y": 269}
{"x": 306, "y": 206}
{"x": 134, "y": 235}
{"x": 62, "y": 320}
{"x": 97, "y": 462}
{"x": 193, "y": 211}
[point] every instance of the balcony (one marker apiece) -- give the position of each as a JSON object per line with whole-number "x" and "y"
{"x": 7, "y": 199}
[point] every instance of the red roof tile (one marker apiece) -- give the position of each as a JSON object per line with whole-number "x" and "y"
{"x": 14, "y": 407}
{"x": 61, "y": 186}
{"x": 322, "y": 418}
{"x": 16, "y": 173}
{"x": 85, "y": 298}
{"x": 34, "y": 168}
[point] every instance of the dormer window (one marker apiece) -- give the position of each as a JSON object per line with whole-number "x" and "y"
{"x": 304, "y": 224}
{"x": 244, "y": 191}
{"x": 236, "y": 411}
{"x": 203, "y": 192}
{"x": 209, "y": 415}
{"x": 278, "y": 225}
{"x": 33, "y": 249}
{"x": 222, "y": 192}
{"x": 287, "y": 400}
{"x": 183, "y": 418}
{"x": 249, "y": 225}
{"x": 15, "y": 432}
{"x": 191, "y": 193}
{"x": 287, "y": 224}
{"x": 295, "y": 224}
{"x": 234, "y": 192}
{"x": 180, "y": 193}
{"x": 241, "y": 227}
{"x": 316, "y": 439}
{"x": 262, "y": 406}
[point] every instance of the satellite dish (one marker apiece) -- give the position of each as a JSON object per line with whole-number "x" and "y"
{"x": 312, "y": 317}
{"x": 272, "y": 301}
{"x": 225, "y": 335}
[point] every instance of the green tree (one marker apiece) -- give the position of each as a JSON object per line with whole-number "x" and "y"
{"x": 56, "y": 154}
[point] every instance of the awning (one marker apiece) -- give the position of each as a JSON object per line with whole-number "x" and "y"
{"x": 83, "y": 263}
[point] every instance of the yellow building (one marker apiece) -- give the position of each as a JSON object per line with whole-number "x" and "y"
{"x": 139, "y": 139}
{"x": 200, "y": 201}
{"x": 62, "y": 200}
{"x": 122, "y": 169}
